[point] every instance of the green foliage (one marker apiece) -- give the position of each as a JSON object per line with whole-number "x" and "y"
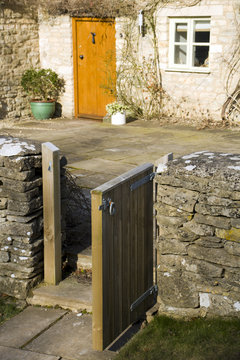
{"x": 8, "y": 307}
{"x": 42, "y": 84}
{"x": 116, "y": 107}
{"x": 199, "y": 339}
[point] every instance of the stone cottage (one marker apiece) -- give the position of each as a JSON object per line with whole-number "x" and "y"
{"x": 183, "y": 62}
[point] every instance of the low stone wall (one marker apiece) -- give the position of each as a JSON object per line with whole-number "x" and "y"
{"x": 198, "y": 242}
{"x": 21, "y": 221}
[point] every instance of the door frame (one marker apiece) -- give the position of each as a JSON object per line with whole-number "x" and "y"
{"x": 75, "y": 61}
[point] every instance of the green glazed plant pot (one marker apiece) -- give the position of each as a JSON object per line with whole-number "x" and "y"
{"x": 43, "y": 109}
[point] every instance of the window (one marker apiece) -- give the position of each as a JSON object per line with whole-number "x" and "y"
{"x": 189, "y": 44}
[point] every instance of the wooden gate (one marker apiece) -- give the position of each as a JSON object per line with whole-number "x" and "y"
{"x": 94, "y": 54}
{"x": 122, "y": 250}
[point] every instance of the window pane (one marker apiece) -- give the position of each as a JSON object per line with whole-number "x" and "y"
{"x": 200, "y": 56}
{"x": 180, "y": 54}
{"x": 201, "y": 31}
{"x": 181, "y": 32}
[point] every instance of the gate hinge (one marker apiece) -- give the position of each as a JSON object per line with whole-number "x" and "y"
{"x": 152, "y": 290}
{"x": 108, "y": 204}
{"x": 142, "y": 181}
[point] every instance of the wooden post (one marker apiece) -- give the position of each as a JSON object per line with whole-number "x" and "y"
{"x": 51, "y": 214}
{"x": 97, "y": 272}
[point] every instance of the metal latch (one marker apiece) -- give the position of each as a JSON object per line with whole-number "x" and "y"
{"x": 153, "y": 290}
{"x": 108, "y": 204}
{"x": 142, "y": 181}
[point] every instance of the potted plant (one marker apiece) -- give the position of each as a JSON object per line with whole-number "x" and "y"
{"x": 117, "y": 112}
{"x": 44, "y": 87}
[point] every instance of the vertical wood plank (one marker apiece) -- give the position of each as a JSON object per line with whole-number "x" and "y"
{"x": 51, "y": 214}
{"x": 97, "y": 272}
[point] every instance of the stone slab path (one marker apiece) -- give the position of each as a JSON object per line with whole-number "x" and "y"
{"x": 49, "y": 334}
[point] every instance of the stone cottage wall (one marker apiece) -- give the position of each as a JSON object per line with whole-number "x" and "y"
{"x": 198, "y": 243}
{"x": 190, "y": 94}
{"x": 56, "y": 52}
{"x": 19, "y": 50}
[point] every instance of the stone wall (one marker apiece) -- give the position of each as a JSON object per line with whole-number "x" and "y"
{"x": 19, "y": 50}
{"x": 198, "y": 242}
{"x": 21, "y": 221}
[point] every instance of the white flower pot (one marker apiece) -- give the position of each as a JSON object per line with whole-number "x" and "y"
{"x": 118, "y": 118}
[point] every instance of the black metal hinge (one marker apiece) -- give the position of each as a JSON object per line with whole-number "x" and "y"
{"x": 142, "y": 181}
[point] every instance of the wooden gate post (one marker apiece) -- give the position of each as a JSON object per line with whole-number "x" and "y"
{"x": 51, "y": 213}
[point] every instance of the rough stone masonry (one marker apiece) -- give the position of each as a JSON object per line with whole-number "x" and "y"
{"x": 21, "y": 221}
{"x": 198, "y": 221}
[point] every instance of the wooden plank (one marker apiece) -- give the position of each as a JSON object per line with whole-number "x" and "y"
{"x": 97, "y": 271}
{"x": 129, "y": 175}
{"x": 51, "y": 214}
{"x": 126, "y": 254}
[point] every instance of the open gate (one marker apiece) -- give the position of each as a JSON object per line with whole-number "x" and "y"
{"x": 122, "y": 253}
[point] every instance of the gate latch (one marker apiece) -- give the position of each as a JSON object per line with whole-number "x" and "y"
{"x": 108, "y": 204}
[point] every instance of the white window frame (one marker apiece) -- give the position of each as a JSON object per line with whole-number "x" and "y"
{"x": 189, "y": 45}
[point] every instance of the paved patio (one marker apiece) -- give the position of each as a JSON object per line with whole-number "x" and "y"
{"x": 97, "y": 152}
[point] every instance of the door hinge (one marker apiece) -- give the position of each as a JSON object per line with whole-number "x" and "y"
{"x": 142, "y": 181}
{"x": 152, "y": 290}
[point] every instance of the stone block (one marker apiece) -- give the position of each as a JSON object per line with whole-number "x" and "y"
{"x": 18, "y": 288}
{"x": 21, "y": 186}
{"x": 217, "y": 201}
{"x": 20, "y": 229}
{"x": 27, "y": 261}
{"x": 4, "y": 256}
{"x": 210, "y": 242}
{"x": 23, "y": 163}
{"x": 175, "y": 291}
{"x": 215, "y": 256}
{"x": 235, "y": 223}
{"x": 16, "y": 175}
{"x": 168, "y": 210}
{"x": 3, "y": 203}
{"x": 206, "y": 209}
{"x": 22, "y": 196}
{"x": 233, "y": 234}
{"x": 24, "y": 208}
{"x": 182, "y": 198}
{"x": 232, "y": 248}
{"x": 199, "y": 229}
{"x": 172, "y": 246}
{"x": 216, "y": 221}
{"x": 24, "y": 219}
{"x": 172, "y": 221}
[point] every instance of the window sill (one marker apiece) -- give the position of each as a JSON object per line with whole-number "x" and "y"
{"x": 197, "y": 71}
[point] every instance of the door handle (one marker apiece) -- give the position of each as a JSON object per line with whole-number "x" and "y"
{"x": 81, "y": 57}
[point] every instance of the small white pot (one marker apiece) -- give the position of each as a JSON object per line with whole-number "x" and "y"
{"x": 118, "y": 118}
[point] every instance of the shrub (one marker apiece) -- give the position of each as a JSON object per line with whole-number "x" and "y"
{"x": 42, "y": 84}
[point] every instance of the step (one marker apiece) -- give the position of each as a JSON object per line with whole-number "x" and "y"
{"x": 80, "y": 259}
{"x": 71, "y": 293}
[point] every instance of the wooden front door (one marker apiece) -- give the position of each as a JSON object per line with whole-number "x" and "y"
{"x": 94, "y": 54}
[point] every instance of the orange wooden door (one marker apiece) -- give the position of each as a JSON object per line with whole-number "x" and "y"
{"x": 94, "y": 66}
